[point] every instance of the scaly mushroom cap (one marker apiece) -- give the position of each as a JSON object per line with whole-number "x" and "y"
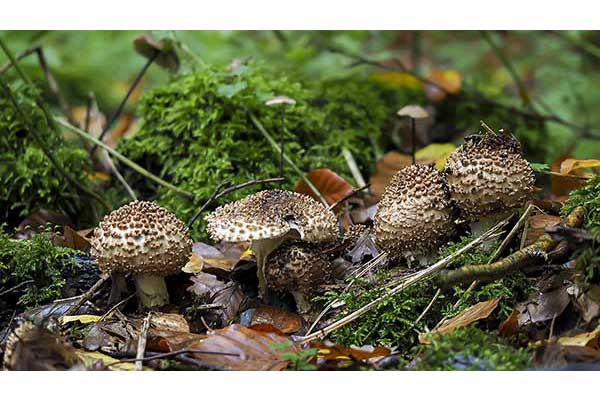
{"x": 272, "y": 213}
{"x": 488, "y": 175}
{"x": 142, "y": 238}
{"x": 415, "y": 214}
{"x": 297, "y": 267}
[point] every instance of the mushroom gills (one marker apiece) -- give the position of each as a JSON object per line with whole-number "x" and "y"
{"x": 151, "y": 290}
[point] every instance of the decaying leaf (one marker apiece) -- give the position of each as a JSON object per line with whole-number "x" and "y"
{"x": 84, "y": 319}
{"x": 282, "y": 320}
{"x": 589, "y": 339}
{"x": 570, "y": 165}
{"x": 545, "y": 307}
{"x": 476, "y": 312}
{"x": 330, "y": 185}
{"x": 385, "y": 169}
{"x": 236, "y": 348}
{"x": 537, "y": 224}
{"x": 563, "y": 183}
{"x": 443, "y": 82}
{"x": 435, "y": 153}
{"x": 205, "y": 285}
{"x": 92, "y": 359}
{"x": 330, "y": 351}
{"x": 218, "y": 261}
{"x": 588, "y": 303}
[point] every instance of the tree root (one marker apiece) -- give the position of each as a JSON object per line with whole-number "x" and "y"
{"x": 534, "y": 253}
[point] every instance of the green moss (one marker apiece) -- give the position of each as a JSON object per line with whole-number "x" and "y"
{"x": 38, "y": 260}
{"x": 588, "y": 197}
{"x": 28, "y": 179}
{"x": 469, "y": 348}
{"x": 195, "y": 132}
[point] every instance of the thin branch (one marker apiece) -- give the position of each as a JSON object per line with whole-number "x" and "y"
{"x": 123, "y": 159}
{"x": 141, "y": 346}
{"x": 116, "y": 306}
{"x": 289, "y": 161}
{"x": 225, "y": 189}
{"x": 174, "y": 353}
{"x": 16, "y": 287}
{"x": 87, "y": 295}
{"x": 350, "y": 195}
{"x": 353, "y": 166}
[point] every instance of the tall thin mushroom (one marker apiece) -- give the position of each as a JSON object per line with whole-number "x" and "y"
{"x": 414, "y": 113}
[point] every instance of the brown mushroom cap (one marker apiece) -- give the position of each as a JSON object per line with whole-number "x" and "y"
{"x": 488, "y": 174}
{"x": 142, "y": 238}
{"x": 272, "y": 213}
{"x": 297, "y": 267}
{"x": 415, "y": 214}
{"x": 147, "y": 46}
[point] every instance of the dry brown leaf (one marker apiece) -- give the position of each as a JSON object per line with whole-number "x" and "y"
{"x": 329, "y": 352}
{"x": 589, "y": 339}
{"x": 537, "y": 224}
{"x": 218, "y": 261}
{"x": 510, "y": 326}
{"x": 330, "y": 185}
{"x": 561, "y": 183}
{"x": 476, "y": 312}
{"x": 234, "y": 348}
{"x": 545, "y": 307}
{"x": 570, "y": 165}
{"x": 205, "y": 285}
{"x": 282, "y": 320}
{"x": 443, "y": 82}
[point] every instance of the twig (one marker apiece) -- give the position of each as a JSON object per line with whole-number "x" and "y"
{"x": 121, "y": 179}
{"x": 225, "y": 189}
{"x": 420, "y": 276}
{"x": 353, "y": 166}
{"x": 116, "y": 306}
{"x": 47, "y": 152}
{"x": 121, "y": 106}
{"x": 351, "y": 194}
{"x": 523, "y": 257}
{"x": 86, "y": 296}
{"x": 435, "y": 297}
{"x": 19, "y": 57}
{"x": 123, "y": 159}
{"x": 173, "y": 353}
{"x": 141, "y": 346}
{"x": 289, "y": 161}
{"x": 16, "y": 287}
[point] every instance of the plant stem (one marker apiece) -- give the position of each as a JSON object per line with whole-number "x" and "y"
{"x": 413, "y": 144}
{"x": 123, "y": 159}
{"x": 270, "y": 139}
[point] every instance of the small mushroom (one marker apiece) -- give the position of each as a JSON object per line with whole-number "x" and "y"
{"x": 414, "y": 113}
{"x": 268, "y": 218}
{"x": 487, "y": 177}
{"x": 144, "y": 239}
{"x": 415, "y": 214}
{"x": 300, "y": 269}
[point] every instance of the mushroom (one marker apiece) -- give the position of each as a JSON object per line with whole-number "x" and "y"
{"x": 415, "y": 214}
{"x": 144, "y": 239}
{"x": 414, "y": 113}
{"x": 487, "y": 177}
{"x": 298, "y": 268}
{"x": 268, "y": 218}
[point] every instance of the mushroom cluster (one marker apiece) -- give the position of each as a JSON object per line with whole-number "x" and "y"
{"x": 415, "y": 214}
{"x": 268, "y": 218}
{"x": 144, "y": 239}
{"x": 488, "y": 176}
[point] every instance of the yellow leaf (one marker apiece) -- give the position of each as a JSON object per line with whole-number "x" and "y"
{"x": 436, "y": 152}
{"x": 569, "y": 165}
{"x": 589, "y": 339}
{"x": 85, "y": 319}
{"x": 449, "y": 80}
{"x": 89, "y": 358}
{"x": 397, "y": 80}
{"x": 194, "y": 265}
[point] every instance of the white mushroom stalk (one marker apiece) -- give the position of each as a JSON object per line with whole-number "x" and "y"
{"x": 146, "y": 240}
{"x": 269, "y": 218}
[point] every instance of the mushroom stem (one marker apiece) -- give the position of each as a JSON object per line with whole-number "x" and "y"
{"x": 151, "y": 290}
{"x": 117, "y": 288}
{"x": 413, "y": 144}
{"x": 303, "y": 305}
{"x": 261, "y": 249}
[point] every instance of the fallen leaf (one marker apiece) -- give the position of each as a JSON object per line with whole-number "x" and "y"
{"x": 561, "y": 183}
{"x": 589, "y": 339}
{"x": 436, "y": 153}
{"x": 37, "y": 222}
{"x": 329, "y": 184}
{"x": 397, "y": 80}
{"x": 443, "y": 82}
{"x": 236, "y": 348}
{"x": 510, "y": 326}
{"x": 545, "y": 307}
{"x": 569, "y": 165}
{"x": 205, "y": 285}
{"x": 588, "y": 303}
{"x": 476, "y": 312}
{"x": 218, "y": 261}
{"x": 89, "y": 359}
{"x": 231, "y": 297}
{"x": 537, "y": 224}
{"x": 72, "y": 239}
{"x": 282, "y": 320}
{"x": 329, "y": 351}
{"x": 385, "y": 169}
{"x": 85, "y": 319}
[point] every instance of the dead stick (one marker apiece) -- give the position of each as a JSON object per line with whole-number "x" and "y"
{"x": 141, "y": 347}
{"x": 86, "y": 296}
